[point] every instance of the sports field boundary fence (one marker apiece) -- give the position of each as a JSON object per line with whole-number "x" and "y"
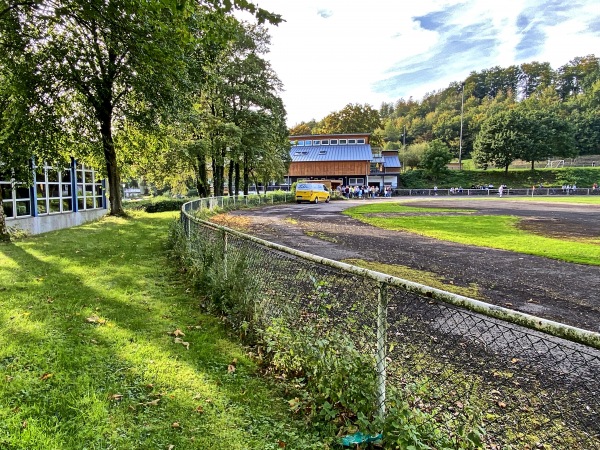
{"x": 530, "y": 382}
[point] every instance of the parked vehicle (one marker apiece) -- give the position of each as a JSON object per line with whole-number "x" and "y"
{"x": 312, "y": 192}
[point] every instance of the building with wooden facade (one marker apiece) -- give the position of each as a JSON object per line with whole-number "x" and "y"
{"x": 343, "y": 159}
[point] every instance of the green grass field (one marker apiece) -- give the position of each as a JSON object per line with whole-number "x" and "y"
{"x": 103, "y": 347}
{"x": 500, "y": 232}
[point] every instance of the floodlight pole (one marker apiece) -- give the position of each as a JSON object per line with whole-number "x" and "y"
{"x": 462, "y": 107}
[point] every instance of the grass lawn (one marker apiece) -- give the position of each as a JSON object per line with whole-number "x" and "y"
{"x": 498, "y": 232}
{"x": 103, "y": 347}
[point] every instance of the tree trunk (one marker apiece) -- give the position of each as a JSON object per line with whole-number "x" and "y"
{"x": 112, "y": 169}
{"x": 230, "y": 178}
{"x": 246, "y": 175}
{"x": 4, "y": 236}
{"x": 237, "y": 178}
{"x": 202, "y": 177}
{"x": 532, "y": 165}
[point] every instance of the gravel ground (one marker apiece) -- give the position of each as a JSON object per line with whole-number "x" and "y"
{"x": 564, "y": 292}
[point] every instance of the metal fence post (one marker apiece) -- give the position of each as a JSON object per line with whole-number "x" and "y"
{"x": 381, "y": 348}
{"x": 225, "y": 253}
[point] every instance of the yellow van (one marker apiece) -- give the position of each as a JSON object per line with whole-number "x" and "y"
{"x": 312, "y": 192}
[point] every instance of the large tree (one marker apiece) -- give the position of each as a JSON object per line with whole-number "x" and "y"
{"x": 107, "y": 61}
{"x": 353, "y": 118}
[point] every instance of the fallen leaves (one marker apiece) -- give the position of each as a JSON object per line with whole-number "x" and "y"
{"x": 95, "y": 319}
{"x": 232, "y": 367}
{"x": 178, "y": 333}
{"x": 46, "y": 376}
{"x": 182, "y": 342}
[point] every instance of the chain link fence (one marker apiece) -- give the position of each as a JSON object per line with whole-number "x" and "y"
{"x": 531, "y": 383}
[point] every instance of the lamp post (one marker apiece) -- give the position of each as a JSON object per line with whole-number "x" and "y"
{"x": 462, "y": 107}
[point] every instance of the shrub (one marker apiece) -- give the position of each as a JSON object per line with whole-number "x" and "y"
{"x": 165, "y": 205}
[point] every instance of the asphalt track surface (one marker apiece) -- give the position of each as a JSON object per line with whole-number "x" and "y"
{"x": 555, "y": 290}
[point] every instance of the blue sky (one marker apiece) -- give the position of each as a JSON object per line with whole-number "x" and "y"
{"x": 329, "y": 53}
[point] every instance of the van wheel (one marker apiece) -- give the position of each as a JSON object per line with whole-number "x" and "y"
{"x": 327, "y": 201}
{"x": 316, "y": 200}
{"x": 298, "y": 201}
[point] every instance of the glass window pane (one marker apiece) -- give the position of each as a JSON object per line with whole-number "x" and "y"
{"x": 22, "y": 192}
{"x": 80, "y": 190}
{"x": 55, "y": 205}
{"x": 41, "y": 191}
{"x": 98, "y": 189}
{"x": 8, "y": 208}
{"x": 41, "y": 207}
{"x": 54, "y": 190}
{"x": 66, "y": 176}
{"x": 6, "y": 191}
{"x": 80, "y": 176}
{"x": 89, "y": 202}
{"x": 66, "y": 190}
{"x": 52, "y": 175}
{"x": 24, "y": 208}
{"x": 67, "y": 205}
{"x": 80, "y": 204}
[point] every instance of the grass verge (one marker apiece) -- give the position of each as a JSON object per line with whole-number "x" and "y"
{"x": 498, "y": 232}
{"x": 418, "y": 276}
{"x": 101, "y": 346}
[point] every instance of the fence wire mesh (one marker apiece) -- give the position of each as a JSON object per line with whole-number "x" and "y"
{"x": 528, "y": 389}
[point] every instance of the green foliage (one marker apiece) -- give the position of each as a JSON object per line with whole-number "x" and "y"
{"x": 225, "y": 279}
{"x": 338, "y": 380}
{"x": 409, "y": 427}
{"x": 121, "y": 380}
{"x": 165, "y": 205}
{"x": 435, "y": 159}
{"x": 583, "y": 177}
{"x": 413, "y": 155}
{"x": 353, "y": 118}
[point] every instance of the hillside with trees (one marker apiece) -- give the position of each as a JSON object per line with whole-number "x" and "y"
{"x": 528, "y": 112}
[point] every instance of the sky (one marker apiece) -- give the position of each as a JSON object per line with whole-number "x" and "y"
{"x": 329, "y": 53}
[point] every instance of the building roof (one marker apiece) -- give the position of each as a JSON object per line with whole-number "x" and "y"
{"x": 392, "y": 161}
{"x": 333, "y": 135}
{"x": 311, "y": 153}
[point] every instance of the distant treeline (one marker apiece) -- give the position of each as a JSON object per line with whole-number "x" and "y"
{"x": 563, "y": 106}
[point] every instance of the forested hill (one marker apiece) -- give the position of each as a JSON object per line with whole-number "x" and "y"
{"x": 566, "y": 100}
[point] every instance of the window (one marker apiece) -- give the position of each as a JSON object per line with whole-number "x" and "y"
{"x": 16, "y": 201}
{"x": 356, "y": 181}
{"x": 322, "y": 152}
{"x": 53, "y": 190}
{"x": 316, "y": 142}
{"x": 333, "y": 142}
{"x": 325, "y": 142}
{"x": 360, "y": 141}
{"x": 301, "y": 143}
{"x": 292, "y": 143}
{"x": 89, "y": 189}
{"x": 297, "y": 153}
{"x": 343, "y": 141}
{"x": 307, "y": 142}
{"x": 351, "y": 141}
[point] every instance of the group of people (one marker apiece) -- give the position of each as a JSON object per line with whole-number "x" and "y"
{"x": 568, "y": 188}
{"x": 364, "y": 191}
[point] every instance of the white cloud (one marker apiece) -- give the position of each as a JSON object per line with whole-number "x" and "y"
{"x": 330, "y": 53}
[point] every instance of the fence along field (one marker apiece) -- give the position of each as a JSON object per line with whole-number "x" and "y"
{"x": 530, "y": 382}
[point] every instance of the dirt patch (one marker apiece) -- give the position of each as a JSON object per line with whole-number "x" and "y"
{"x": 564, "y": 292}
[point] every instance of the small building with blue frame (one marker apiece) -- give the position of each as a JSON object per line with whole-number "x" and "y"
{"x": 59, "y": 197}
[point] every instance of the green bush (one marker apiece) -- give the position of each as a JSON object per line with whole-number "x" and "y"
{"x": 165, "y": 205}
